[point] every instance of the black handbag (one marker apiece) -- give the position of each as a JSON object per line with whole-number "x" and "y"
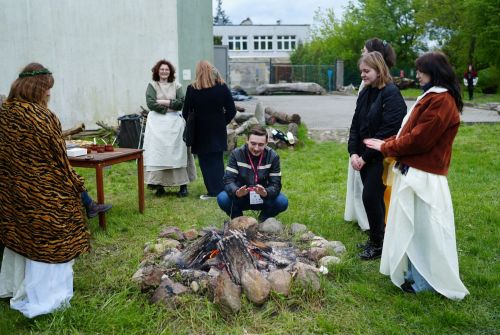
{"x": 188, "y": 134}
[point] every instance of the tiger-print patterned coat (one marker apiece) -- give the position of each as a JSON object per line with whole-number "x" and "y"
{"x": 41, "y": 215}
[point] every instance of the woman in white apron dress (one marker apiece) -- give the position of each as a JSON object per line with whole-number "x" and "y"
{"x": 167, "y": 160}
{"x": 419, "y": 252}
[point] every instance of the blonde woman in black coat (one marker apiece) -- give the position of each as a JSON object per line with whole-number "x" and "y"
{"x": 380, "y": 109}
{"x": 212, "y": 104}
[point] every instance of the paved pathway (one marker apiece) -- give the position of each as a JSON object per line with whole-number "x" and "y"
{"x": 334, "y": 112}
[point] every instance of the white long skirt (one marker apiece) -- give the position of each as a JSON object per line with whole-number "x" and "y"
{"x": 36, "y": 288}
{"x": 421, "y": 228}
{"x": 354, "y": 207}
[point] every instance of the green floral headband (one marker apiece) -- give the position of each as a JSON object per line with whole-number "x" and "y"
{"x": 34, "y": 73}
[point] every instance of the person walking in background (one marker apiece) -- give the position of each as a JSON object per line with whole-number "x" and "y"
{"x": 470, "y": 80}
{"x": 380, "y": 109}
{"x": 354, "y": 208}
{"x": 212, "y": 104}
{"x": 420, "y": 252}
{"x": 167, "y": 159}
{"x": 42, "y": 223}
{"x": 253, "y": 179}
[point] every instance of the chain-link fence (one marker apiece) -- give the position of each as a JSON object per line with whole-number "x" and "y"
{"x": 323, "y": 75}
{"x": 352, "y": 74}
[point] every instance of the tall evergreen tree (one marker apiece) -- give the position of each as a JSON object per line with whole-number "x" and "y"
{"x": 220, "y": 17}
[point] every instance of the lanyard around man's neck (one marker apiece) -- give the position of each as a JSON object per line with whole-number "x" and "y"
{"x": 255, "y": 169}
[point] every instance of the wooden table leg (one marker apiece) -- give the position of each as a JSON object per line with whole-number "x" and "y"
{"x": 99, "y": 176}
{"x": 140, "y": 180}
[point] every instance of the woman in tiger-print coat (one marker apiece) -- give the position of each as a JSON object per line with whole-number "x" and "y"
{"x": 41, "y": 215}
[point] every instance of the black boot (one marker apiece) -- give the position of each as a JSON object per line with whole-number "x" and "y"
{"x": 160, "y": 191}
{"x": 94, "y": 209}
{"x": 183, "y": 191}
{"x": 371, "y": 251}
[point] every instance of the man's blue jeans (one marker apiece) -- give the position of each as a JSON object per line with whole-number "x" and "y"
{"x": 235, "y": 206}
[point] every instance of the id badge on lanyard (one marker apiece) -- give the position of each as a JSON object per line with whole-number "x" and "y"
{"x": 255, "y": 199}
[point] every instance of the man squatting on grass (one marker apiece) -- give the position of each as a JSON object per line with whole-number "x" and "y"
{"x": 253, "y": 179}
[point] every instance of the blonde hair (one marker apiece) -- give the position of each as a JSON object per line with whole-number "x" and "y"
{"x": 32, "y": 84}
{"x": 207, "y": 75}
{"x": 375, "y": 60}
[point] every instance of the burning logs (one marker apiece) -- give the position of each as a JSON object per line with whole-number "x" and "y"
{"x": 245, "y": 256}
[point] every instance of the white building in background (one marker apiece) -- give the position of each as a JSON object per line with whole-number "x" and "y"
{"x": 253, "y": 49}
{"x": 262, "y": 41}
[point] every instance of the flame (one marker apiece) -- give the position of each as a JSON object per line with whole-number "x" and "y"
{"x": 214, "y": 253}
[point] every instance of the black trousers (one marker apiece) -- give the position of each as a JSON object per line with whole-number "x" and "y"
{"x": 471, "y": 91}
{"x": 212, "y": 169}
{"x": 373, "y": 199}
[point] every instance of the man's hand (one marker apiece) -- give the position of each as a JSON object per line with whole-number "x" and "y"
{"x": 260, "y": 190}
{"x": 242, "y": 191}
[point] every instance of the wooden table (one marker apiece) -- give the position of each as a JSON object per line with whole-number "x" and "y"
{"x": 98, "y": 161}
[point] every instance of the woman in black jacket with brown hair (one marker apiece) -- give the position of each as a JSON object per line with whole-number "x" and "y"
{"x": 380, "y": 109}
{"x": 212, "y": 104}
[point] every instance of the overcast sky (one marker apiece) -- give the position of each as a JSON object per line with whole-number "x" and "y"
{"x": 269, "y": 11}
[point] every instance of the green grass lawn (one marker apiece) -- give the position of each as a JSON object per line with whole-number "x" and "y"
{"x": 355, "y": 298}
{"x": 479, "y": 98}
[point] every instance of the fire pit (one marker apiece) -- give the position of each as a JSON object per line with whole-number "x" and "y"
{"x": 243, "y": 256}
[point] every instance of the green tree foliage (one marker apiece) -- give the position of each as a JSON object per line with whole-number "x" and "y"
{"x": 391, "y": 20}
{"x": 217, "y": 40}
{"x": 220, "y": 17}
{"x": 467, "y": 30}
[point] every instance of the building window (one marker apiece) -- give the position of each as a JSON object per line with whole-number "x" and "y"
{"x": 286, "y": 42}
{"x": 263, "y": 43}
{"x": 237, "y": 43}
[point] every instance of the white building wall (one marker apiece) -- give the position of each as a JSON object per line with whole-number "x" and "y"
{"x": 100, "y": 52}
{"x": 300, "y": 31}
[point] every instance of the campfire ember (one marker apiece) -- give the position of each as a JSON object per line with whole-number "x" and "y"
{"x": 241, "y": 257}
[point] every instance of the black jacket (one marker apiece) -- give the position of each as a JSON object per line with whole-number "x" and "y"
{"x": 239, "y": 172}
{"x": 379, "y": 113}
{"x": 214, "y": 109}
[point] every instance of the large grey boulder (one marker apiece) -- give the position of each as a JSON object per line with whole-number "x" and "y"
{"x": 280, "y": 281}
{"x": 271, "y": 226}
{"x": 227, "y": 294}
{"x": 307, "y": 275}
{"x": 255, "y": 286}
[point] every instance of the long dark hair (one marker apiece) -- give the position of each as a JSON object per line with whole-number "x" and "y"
{"x": 437, "y": 66}
{"x": 376, "y": 44}
{"x": 156, "y": 70}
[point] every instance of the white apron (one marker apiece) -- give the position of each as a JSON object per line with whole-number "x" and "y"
{"x": 421, "y": 227}
{"x": 354, "y": 207}
{"x": 163, "y": 144}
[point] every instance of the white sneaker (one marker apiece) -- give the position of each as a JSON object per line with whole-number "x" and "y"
{"x": 206, "y": 197}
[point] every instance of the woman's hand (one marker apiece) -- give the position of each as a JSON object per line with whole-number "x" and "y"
{"x": 165, "y": 103}
{"x": 373, "y": 143}
{"x": 355, "y": 162}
